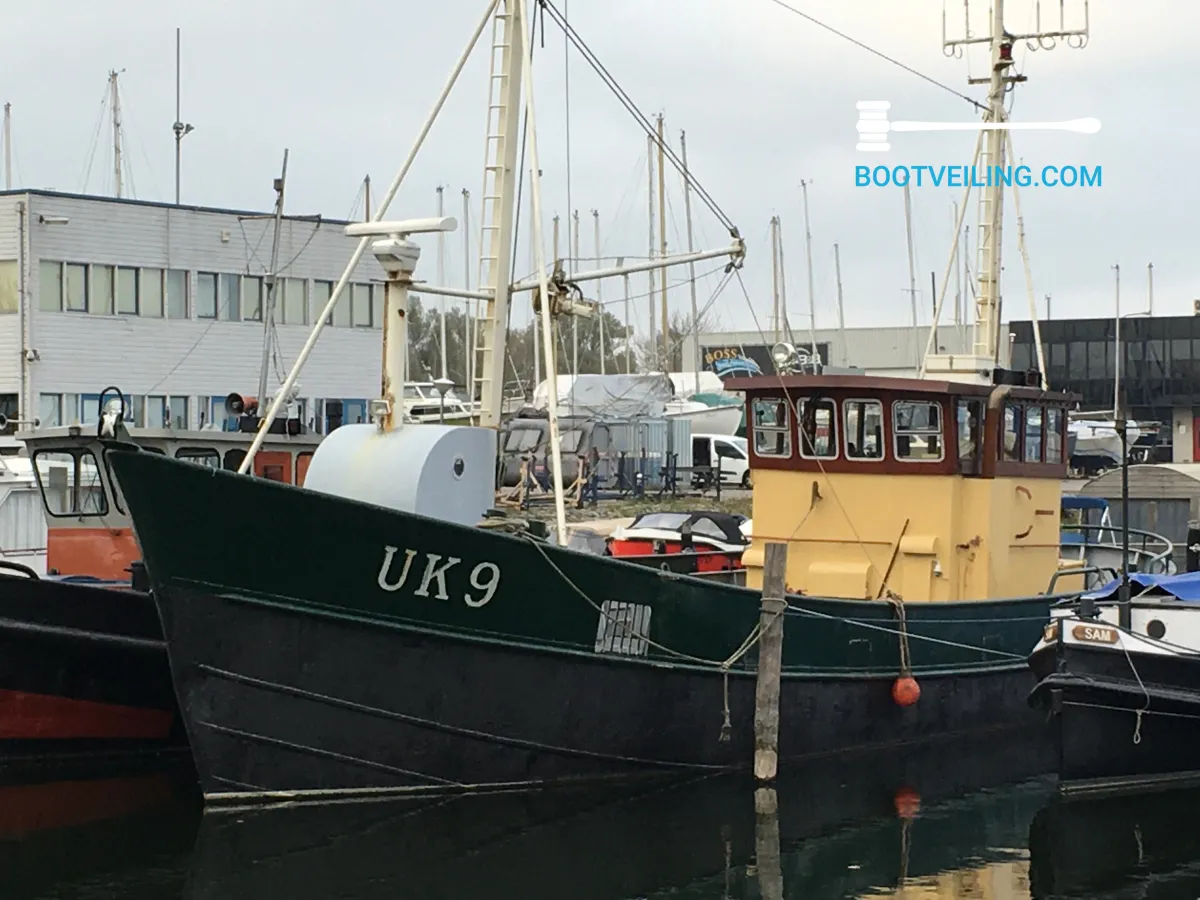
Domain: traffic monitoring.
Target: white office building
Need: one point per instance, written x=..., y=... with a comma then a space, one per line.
x=166, y=302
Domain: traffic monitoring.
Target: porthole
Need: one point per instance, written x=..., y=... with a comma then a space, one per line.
x=460, y=466
x=1156, y=629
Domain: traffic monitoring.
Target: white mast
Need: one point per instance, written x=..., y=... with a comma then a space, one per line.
x=468, y=304
x=912, y=274
x=991, y=146
x=628, y=325
x=812, y=303
x=1150, y=288
x=114, y=102
x=441, y=277
x=599, y=302
x=537, y=340
x=957, y=273
x=775, y=277
x=653, y=339
x=837, y=271
x=687, y=212
x=8, y=146
x=662, y=247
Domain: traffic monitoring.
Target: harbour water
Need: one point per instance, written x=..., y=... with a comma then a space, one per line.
x=962, y=820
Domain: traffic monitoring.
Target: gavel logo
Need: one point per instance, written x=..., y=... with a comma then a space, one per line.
x=874, y=127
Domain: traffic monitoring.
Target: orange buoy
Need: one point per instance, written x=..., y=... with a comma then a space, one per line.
x=908, y=803
x=906, y=691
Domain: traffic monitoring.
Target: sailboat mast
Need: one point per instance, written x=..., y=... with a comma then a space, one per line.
x=1117, y=345
x=8, y=146
x=469, y=305
x=662, y=245
x=267, y=304
x=912, y=271
x=650, y=272
x=775, y=277
x=114, y=104
x=1150, y=288
x=537, y=340
x=441, y=276
x=599, y=293
x=991, y=211
x=957, y=272
x=837, y=273
x=687, y=213
x=812, y=303
x=574, y=267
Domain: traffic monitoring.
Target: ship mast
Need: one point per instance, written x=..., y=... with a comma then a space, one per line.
x=990, y=152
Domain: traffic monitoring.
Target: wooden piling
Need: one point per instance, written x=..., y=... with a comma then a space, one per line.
x=770, y=661
x=767, y=844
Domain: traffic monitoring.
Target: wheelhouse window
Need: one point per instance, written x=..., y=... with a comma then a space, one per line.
x=772, y=427
x=1054, y=435
x=1032, y=450
x=70, y=482
x=970, y=416
x=201, y=456
x=917, y=427
x=863, y=429
x=818, y=428
x=1010, y=442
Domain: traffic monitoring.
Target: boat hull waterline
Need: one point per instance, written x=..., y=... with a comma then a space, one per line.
x=439, y=656
x=1126, y=715
x=83, y=672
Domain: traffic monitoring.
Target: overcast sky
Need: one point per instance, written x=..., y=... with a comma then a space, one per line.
x=765, y=97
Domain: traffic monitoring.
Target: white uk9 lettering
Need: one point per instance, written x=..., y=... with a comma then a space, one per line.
x=484, y=577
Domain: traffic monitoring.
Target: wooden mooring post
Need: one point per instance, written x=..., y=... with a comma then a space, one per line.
x=767, y=848
x=770, y=661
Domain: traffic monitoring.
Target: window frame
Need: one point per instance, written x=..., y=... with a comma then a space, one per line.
x=882, y=430
x=118, y=271
x=77, y=453
x=897, y=432
x=784, y=428
x=820, y=402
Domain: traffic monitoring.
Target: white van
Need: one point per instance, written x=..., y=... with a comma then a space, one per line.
x=732, y=453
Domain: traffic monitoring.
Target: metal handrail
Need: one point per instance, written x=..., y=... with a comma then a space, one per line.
x=1155, y=548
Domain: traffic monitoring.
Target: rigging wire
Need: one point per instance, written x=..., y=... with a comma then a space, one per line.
x=638, y=115
x=895, y=62
x=86, y=174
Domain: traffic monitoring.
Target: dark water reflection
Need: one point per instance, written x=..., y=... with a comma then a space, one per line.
x=955, y=821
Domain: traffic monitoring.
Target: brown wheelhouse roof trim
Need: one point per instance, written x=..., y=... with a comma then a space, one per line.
x=990, y=399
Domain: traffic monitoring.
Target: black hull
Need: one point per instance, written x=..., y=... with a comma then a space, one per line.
x=1116, y=847
x=303, y=702
x=1114, y=732
x=83, y=673
x=606, y=843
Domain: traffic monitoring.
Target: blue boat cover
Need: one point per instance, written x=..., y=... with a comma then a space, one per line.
x=1079, y=501
x=1185, y=586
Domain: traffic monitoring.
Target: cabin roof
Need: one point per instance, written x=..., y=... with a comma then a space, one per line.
x=886, y=383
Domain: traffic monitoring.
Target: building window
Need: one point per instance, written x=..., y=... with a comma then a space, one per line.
x=295, y=301
x=137, y=411
x=127, y=291
x=818, y=429
x=917, y=429
x=9, y=301
x=206, y=295
x=89, y=409
x=360, y=305
x=102, y=291
x=156, y=412
x=864, y=429
x=50, y=410
x=1033, y=434
x=377, y=305
x=50, y=286
x=252, y=297
x=341, y=315
x=177, y=307
x=230, y=297
x=150, y=293
x=1054, y=438
x=772, y=427
x=70, y=409
x=75, y=287
x=1010, y=445
x=178, y=408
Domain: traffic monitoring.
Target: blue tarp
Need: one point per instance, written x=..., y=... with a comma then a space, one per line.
x=1079, y=501
x=1183, y=587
